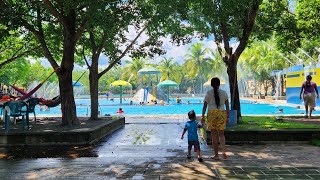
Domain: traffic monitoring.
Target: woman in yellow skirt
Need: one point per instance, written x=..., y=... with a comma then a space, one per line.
x=218, y=115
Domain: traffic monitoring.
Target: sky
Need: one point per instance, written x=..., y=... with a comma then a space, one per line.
x=176, y=52
x=172, y=51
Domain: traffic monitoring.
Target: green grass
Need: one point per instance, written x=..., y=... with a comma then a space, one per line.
x=316, y=142
x=254, y=122
x=263, y=122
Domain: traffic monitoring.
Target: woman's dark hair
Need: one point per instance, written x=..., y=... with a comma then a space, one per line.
x=215, y=83
x=308, y=84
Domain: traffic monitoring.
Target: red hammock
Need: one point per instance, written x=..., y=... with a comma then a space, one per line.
x=37, y=87
x=51, y=102
x=19, y=90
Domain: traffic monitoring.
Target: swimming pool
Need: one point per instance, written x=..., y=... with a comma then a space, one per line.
x=109, y=107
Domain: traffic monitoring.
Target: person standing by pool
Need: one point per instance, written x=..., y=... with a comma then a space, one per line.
x=217, y=116
x=107, y=94
x=309, y=89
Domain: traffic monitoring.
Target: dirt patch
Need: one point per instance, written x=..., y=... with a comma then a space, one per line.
x=302, y=119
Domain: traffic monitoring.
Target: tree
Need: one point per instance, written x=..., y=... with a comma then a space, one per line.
x=196, y=62
x=166, y=67
x=231, y=23
x=15, y=73
x=259, y=60
x=13, y=47
x=57, y=26
x=154, y=18
x=132, y=67
x=300, y=36
x=216, y=66
x=104, y=35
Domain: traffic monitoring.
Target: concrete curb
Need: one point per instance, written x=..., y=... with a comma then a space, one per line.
x=85, y=136
x=267, y=136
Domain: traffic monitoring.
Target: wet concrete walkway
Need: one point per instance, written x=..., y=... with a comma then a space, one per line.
x=151, y=148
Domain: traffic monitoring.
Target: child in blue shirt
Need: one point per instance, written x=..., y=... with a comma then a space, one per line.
x=193, y=140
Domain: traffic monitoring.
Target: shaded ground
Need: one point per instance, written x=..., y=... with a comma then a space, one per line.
x=52, y=124
x=149, y=147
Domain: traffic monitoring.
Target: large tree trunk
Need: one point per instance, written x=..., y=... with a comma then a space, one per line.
x=233, y=82
x=94, y=84
x=68, y=106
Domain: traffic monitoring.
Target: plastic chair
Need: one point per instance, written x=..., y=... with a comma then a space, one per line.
x=32, y=102
x=16, y=109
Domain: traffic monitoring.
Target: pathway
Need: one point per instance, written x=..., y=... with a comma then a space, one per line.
x=151, y=148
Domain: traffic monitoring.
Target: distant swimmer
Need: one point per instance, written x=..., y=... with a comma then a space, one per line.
x=280, y=111
x=120, y=111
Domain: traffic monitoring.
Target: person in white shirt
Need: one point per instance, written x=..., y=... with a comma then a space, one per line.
x=218, y=115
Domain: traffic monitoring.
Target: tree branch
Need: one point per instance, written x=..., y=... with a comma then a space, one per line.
x=218, y=42
x=54, y=12
x=85, y=59
x=123, y=54
x=103, y=41
x=92, y=42
x=17, y=57
x=80, y=30
x=40, y=36
x=225, y=37
x=17, y=51
x=249, y=23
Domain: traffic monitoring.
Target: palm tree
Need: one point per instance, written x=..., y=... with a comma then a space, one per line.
x=260, y=59
x=171, y=70
x=247, y=62
x=178, y=73
x=166, y=66
x=217, y=67
x=196, y=62
x=132, y=67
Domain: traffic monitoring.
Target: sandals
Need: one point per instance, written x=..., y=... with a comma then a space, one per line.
x=224, y=156
x=215, y=158
x=199, y=159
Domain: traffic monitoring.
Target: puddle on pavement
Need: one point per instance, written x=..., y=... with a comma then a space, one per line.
x=142, y=137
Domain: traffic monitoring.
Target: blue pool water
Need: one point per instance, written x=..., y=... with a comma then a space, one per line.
x=109, y=107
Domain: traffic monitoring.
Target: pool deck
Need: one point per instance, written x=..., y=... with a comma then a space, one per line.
x=151, y=148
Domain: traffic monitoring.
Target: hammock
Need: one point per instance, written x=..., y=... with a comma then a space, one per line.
x=18, y=89
x=37, y=87
x=51, y=102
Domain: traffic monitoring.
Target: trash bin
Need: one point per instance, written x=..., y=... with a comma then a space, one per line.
x=233, y=119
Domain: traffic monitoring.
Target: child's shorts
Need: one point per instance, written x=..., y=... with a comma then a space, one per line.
x=196, y=145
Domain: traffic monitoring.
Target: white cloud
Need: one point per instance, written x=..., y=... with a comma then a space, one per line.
x=176, y=52
x=172, y=50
